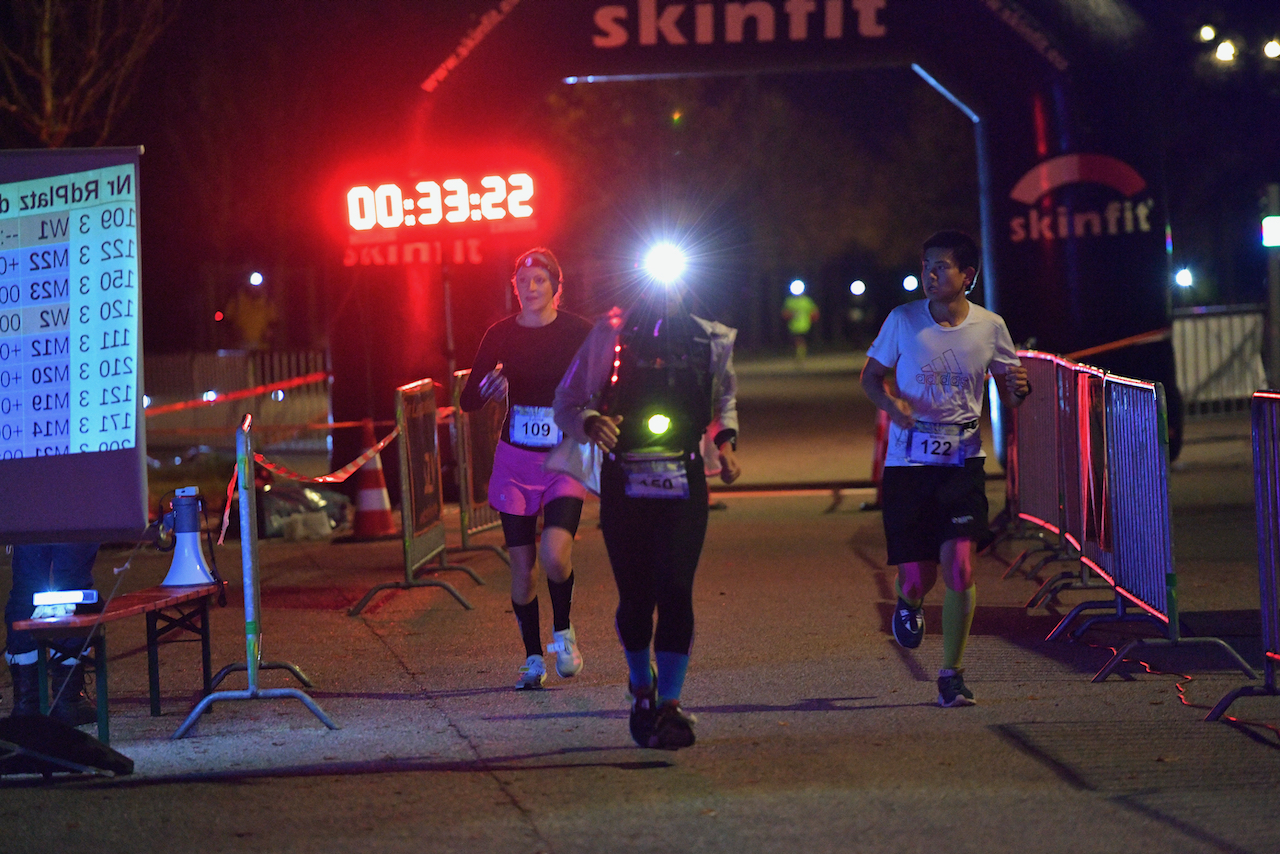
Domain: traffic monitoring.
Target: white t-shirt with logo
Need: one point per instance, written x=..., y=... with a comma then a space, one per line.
x=941, y=370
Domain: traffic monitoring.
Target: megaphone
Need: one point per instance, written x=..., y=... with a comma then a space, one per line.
x=188, y=567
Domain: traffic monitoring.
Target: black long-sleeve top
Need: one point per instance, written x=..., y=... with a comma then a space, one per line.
x=533, y=358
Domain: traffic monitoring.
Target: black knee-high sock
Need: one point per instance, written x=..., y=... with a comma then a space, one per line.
x=561, y=599
x=530, y=627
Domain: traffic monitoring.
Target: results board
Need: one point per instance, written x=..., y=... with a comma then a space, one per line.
x=69, y=314
x=70, y=355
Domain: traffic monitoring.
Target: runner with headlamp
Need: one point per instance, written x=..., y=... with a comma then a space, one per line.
x=643, y=388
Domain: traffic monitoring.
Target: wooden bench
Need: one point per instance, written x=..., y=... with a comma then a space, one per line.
x=167, y=609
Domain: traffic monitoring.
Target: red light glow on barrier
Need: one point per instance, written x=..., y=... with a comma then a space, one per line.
x=432, y=202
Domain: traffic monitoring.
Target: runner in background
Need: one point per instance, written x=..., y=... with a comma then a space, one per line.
x=522, y=357
x=800, y=312
x=934, y=491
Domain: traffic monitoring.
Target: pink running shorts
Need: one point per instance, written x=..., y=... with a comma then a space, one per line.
x=520, y=487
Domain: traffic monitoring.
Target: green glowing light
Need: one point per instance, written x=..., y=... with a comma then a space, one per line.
x=659, y=424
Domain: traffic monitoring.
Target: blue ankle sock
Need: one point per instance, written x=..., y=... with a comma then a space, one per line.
x=671, y=670
x=638, y=666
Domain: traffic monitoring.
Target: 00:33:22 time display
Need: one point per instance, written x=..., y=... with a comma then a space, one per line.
x=448, y=201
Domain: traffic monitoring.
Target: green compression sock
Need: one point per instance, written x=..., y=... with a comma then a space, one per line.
x=957, y=617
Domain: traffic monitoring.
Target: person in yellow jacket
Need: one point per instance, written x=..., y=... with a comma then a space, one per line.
x=800, y=312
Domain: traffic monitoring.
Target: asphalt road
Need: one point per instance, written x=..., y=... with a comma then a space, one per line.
x=816, y=732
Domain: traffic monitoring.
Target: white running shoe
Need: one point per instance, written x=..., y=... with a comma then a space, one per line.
x=565, y=646
x=532, y=674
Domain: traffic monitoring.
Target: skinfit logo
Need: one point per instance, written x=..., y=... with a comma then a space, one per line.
x=656, y=23
x=1129, y=215
x=944, y=372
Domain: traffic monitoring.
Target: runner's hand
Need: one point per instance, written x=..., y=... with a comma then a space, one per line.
x=901, y=414
x=494, y=384
x=729, y=468
x=603, y=430
x=1015, y=380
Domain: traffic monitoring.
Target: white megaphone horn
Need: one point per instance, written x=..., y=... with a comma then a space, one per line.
x=188, y=567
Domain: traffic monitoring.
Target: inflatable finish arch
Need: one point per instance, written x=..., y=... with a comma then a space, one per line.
x=1063, y=97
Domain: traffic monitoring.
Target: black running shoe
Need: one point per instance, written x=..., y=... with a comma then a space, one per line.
x=673, y=728
x=953, y=692
x=908, y=624
x=644, y=713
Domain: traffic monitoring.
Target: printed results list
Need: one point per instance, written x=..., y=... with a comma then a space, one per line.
x=68, y=326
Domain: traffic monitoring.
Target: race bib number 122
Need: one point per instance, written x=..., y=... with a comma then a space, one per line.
x=935, y=444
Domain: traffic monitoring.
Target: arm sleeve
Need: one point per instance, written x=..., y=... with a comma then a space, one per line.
x=577, y=394
x=486, y=360
x=724, y=426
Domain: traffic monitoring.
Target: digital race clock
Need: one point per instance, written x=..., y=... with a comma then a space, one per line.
x=432, y=203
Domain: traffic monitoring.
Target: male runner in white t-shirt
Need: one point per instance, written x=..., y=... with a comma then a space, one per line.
x=935, y=504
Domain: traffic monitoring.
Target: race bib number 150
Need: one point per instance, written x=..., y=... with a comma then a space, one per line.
x=656, y=479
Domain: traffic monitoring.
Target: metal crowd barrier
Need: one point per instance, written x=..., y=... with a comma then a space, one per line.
x=1095, y=536
x=1136, y=534
x=475, y=439
x=1034, y=469
x=421, y=500
x=1265, y=413
x=1089, y=464
x=252, y=605
x=1218, y=354
x=1073, y=398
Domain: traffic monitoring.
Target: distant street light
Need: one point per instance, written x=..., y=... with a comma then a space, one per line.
x=858, y=288
x=1183, y=278
x=1271, y=231
x=910, y=283
x=1207, y=33
x=1226, y=52
x=1272, y=49
x=1271, y=240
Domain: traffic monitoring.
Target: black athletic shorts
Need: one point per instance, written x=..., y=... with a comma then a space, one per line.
x=924, y=506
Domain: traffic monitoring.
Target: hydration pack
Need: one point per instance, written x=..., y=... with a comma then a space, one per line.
x=663, y=385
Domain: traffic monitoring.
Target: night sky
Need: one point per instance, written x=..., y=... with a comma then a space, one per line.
x=254, y=114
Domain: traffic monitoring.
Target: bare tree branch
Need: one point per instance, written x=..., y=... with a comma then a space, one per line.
x=70, y=67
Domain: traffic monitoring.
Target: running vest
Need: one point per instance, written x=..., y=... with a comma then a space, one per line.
x=664, y=385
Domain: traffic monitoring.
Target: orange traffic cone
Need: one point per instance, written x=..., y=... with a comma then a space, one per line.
x=373, y=505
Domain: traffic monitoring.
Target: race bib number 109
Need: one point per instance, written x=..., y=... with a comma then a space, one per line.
x=534, y=426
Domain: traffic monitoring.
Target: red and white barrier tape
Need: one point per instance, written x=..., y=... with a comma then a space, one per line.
x=444, y=415
x=336, y=477
x=1132, y=341
x=275, y=468
x=308, y=379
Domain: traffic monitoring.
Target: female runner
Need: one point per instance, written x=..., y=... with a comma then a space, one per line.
x=524, y=356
